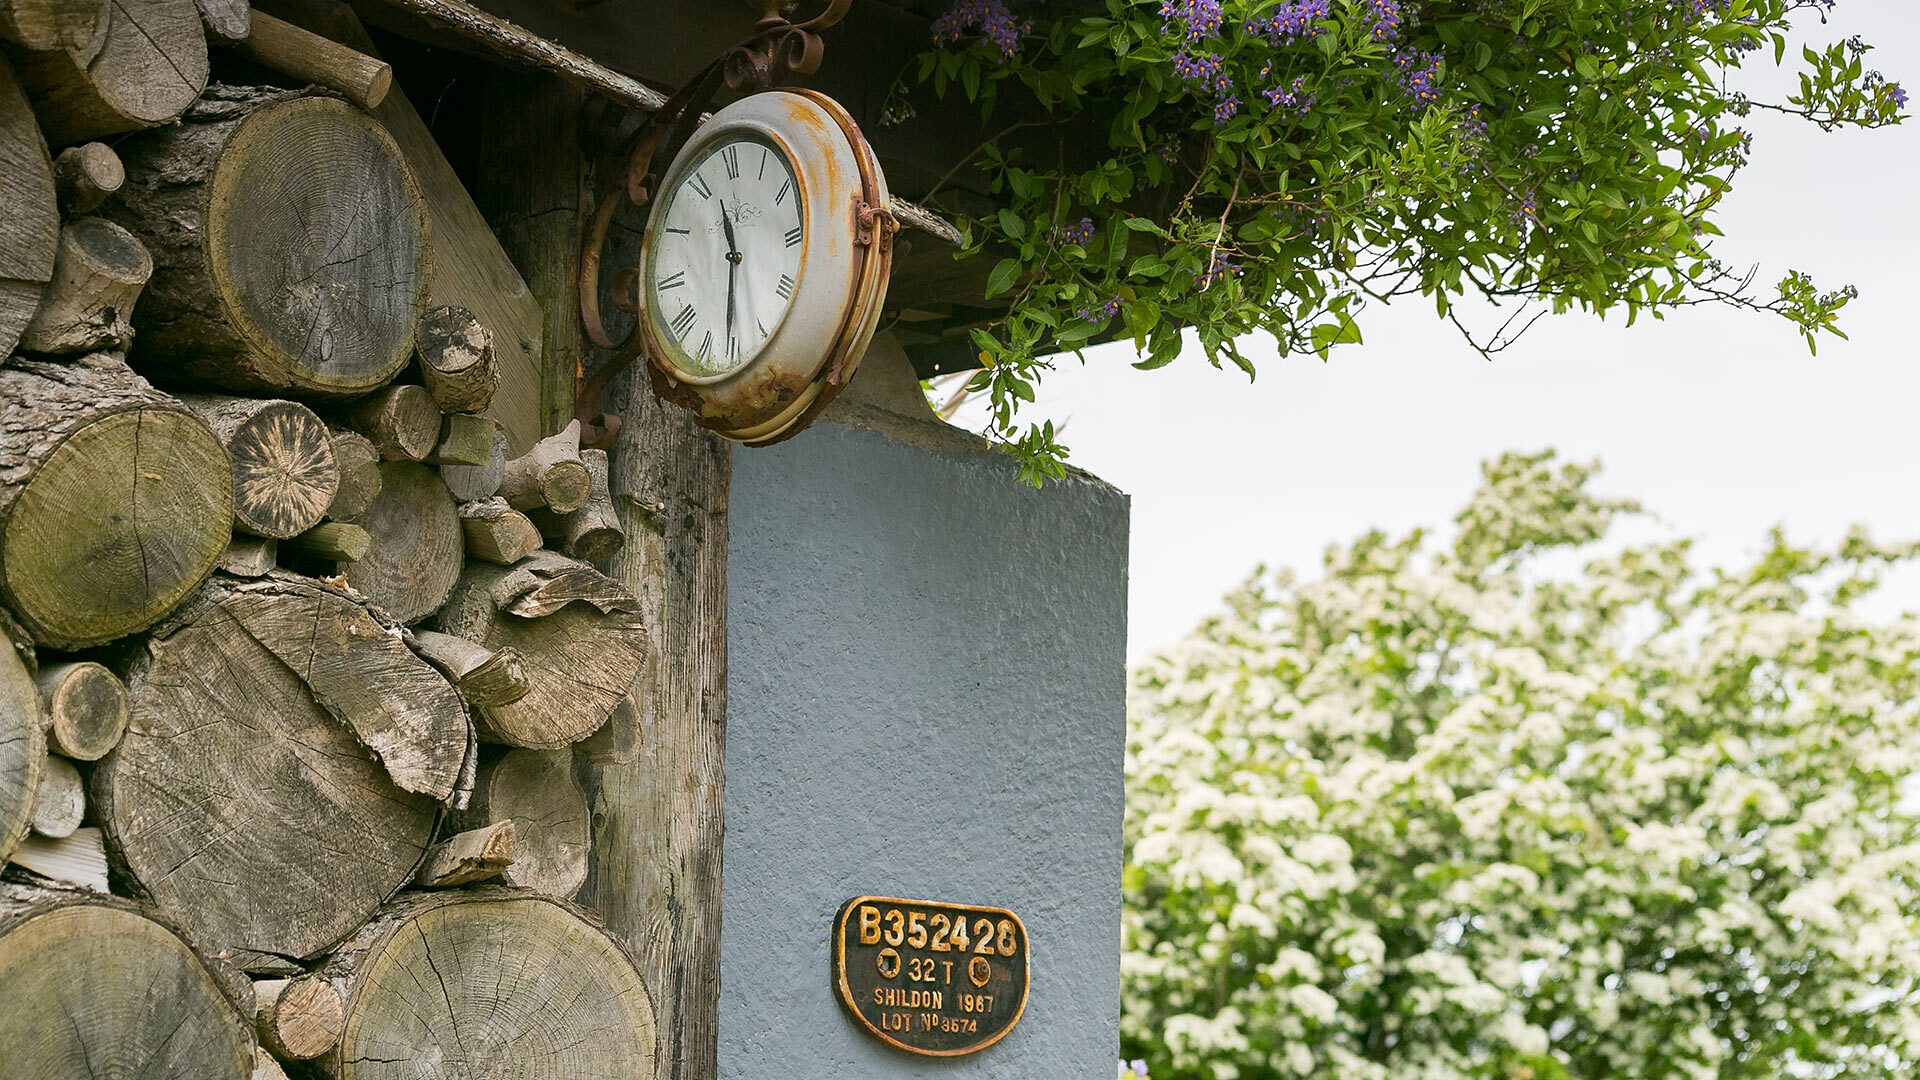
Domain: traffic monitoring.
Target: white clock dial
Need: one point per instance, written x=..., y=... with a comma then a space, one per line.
x=725, y=255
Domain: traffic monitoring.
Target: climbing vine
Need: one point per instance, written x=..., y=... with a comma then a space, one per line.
x=1234, y=166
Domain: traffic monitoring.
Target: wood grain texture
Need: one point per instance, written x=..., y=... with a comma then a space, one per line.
x=49, y=24
x=470, y=482
x=86, y=709
x=465, y=439
x=549, y=474
x=489, y=982
x=470, y=268
x=23, y=747
x=592, y=533
x=658, y=819
x=334, y=541
x=79, y=860
x=242, y=806
x=92, y=987
x=483, y=676
x=577, y=636
x=358, y=669
x=151, y=64
x=497, y=533
x=117, y=500
x=250, y=557
x=60, y=802
x=537, y=792
x=409, y=569
x=310, y=58
x=227, y=20
x=402, y=422
x=457, y=362
x=359, y=463
x=298, y=1019
x=284, y=473
x=467, y=857
x=277, y=269
x=85, y=176
x=30, y=229
x=98, y=273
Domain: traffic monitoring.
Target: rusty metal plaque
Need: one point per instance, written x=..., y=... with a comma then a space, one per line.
x=930, y=978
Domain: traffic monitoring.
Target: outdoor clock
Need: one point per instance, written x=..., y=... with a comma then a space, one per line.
x=765, y=264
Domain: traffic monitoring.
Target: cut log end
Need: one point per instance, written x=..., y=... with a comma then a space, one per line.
x=284, y=472
x=457, y=360
x=150, y=66
x=551, y=474
x=250, y=557
x=334, y=541
x=359, y=464
x=86, y=176
x=49, y=24
x=497, y=532
x=415, y=557
x=97, y=278
x=30, y=223
x=298, y=1019
x=402, y=421
x=61, y=801
x=86, y=709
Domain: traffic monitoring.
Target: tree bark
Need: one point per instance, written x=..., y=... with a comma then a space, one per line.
x=79, y=860
x=95, y=987
x=284, y=473
x=497, y=532
x=471, y=482
x=116, y=500
x=30, y=229
x=537, y=792
x=592, y=533
x=88, y=305
x=60, y=802
x=483, y=677
x=275, y=270
x=241, y=804
x=464, y=858
x=307, y=56
x=402, y=422
x=298, y=1019
x=151, y=65
x=359, y=463
x=86, y=708
x=49, y=24
x=658, y=820
x=489, y=981
x=85, y=176
x=550, y=475
x=575, y=631
x=456, y=359
x=409, y=569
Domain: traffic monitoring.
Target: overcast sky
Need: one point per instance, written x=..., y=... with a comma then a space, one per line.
x=1720, y=422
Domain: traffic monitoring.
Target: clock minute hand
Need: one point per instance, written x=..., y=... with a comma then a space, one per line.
x=733, y=263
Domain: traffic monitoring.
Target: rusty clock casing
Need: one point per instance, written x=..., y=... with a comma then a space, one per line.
x=845, y=263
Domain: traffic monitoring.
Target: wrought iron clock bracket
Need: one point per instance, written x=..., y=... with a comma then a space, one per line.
x=778, y=48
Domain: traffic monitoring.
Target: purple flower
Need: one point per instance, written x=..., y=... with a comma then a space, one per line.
x=1205, y=70
x=1897, y=94
x=1419, y=77
x=995, y=22
x=1296, y=97
x=1384, y=18
x=1138, y=1066
x=1220, y=267
x=1100, y=313
x=1081, y=234
x=1226, y=109
x=1195, y=20
x=1299, y=19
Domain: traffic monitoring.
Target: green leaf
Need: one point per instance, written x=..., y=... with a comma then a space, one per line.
x=1003, y=276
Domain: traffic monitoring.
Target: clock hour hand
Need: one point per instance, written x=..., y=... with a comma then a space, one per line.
x=733, y=263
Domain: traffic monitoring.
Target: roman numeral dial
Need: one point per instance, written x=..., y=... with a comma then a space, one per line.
x=724, y=254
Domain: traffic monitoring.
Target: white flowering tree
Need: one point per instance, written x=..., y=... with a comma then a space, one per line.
x=1528, y=805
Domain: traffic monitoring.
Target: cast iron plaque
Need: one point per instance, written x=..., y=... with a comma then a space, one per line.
x=930, y=978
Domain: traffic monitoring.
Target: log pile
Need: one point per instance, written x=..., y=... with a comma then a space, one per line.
x=300, y=655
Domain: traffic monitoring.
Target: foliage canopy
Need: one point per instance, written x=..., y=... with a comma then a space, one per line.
x=1275, y=165
x=1453, y=811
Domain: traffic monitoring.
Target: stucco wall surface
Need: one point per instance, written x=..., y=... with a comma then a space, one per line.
x=925, y=700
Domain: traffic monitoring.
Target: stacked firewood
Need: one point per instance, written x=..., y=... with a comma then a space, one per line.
x=304, y=657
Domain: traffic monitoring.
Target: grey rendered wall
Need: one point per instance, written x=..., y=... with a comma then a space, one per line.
x=926, y=700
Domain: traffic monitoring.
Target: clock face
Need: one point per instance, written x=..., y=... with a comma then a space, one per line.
x=724, y=256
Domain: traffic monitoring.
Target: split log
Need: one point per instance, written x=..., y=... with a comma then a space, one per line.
x=88, y=306
x=592, y=533
x=229, y=20
x=250, y=557
x=266, y=1067
x=456, y=359
x=576, y=633
x=556, y=996
x=117, y=500
x=618, y=741
x=86, y=708
x=464, y=858
x=550, y=475
x=482, y=676
x=49, y=24
x=150, y=66
x=359, y=463
x=335, y=541
x=284, y=474
x=297, y=1019
x=497, y=532
x=275, y=270
x=244, y=800
x=79, y=860
x=30, y=227
x=465, y=439
x=60, y=802
x=409, y=569
x=23, y=747
x=95, y=987
x=85, y=176
x=311, y=58
x=471, y=482
x=402, y=421
x=552, y=828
